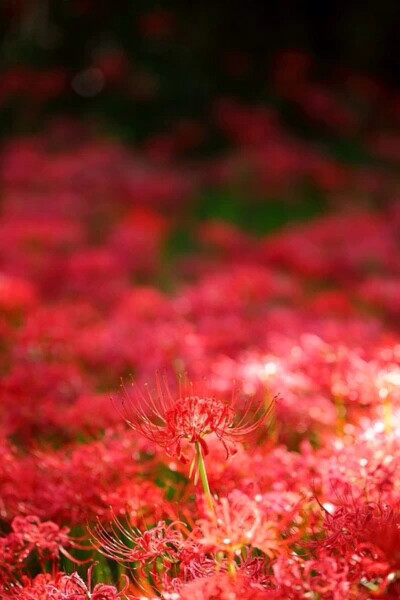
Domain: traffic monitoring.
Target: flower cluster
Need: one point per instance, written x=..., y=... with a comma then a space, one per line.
x=254, y=448
x=30, y=535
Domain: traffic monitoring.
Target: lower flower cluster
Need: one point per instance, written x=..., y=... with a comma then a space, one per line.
x=253, y=448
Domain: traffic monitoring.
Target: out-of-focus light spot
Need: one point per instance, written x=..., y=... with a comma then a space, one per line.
x=296, y=352
x=270, y=368
x=375, y=429
x=88, y=83
x=329, y=507
x=349, y=429
x=393, y=377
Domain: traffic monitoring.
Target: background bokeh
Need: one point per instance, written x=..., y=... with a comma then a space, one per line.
x=137, y=67
x=188, y=82
x=206, y=188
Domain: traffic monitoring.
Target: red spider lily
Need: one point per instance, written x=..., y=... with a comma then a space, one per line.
x=47, y=537
x=30, y=534
x=12, y=553
x=73, y=587
x=368, y=528
x=222, y=585
x=241, y=522
x=331, y=578
x=158, y=551
x=383, y=533
x=189, y=415
x=162, y=541
x=64, y=587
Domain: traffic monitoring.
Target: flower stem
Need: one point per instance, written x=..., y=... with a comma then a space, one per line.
x=204, y=479
x=231, y=566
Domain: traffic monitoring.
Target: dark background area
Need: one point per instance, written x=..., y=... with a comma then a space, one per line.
x=139, y=66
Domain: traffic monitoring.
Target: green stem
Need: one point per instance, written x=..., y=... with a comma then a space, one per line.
x=231, y=566
x=203, y=477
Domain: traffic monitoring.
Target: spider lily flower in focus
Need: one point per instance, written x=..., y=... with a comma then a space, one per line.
x=186, y=417
x=177, y=419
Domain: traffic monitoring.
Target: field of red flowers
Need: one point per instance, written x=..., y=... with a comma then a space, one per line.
x=190, y=408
